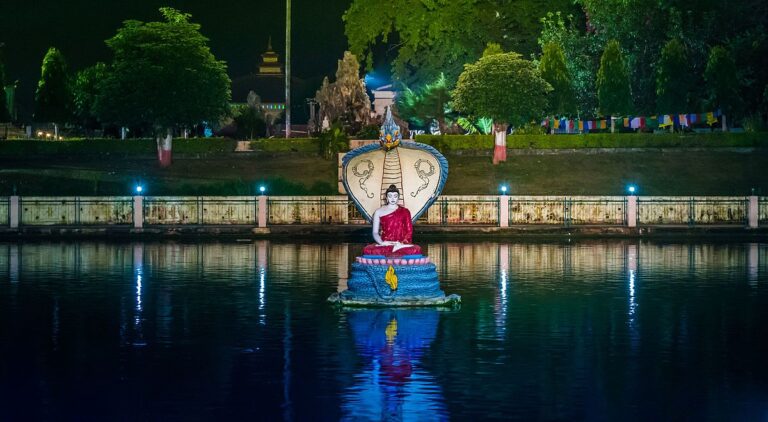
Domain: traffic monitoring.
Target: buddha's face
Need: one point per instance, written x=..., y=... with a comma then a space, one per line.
x=392, y=198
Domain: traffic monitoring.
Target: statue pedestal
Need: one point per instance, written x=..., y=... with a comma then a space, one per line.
x=394, y=281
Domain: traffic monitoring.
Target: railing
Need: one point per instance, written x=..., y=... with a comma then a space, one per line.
x=447, y=210
x=692, y=211
x=75, y=211
x=201, y=210
x=309, y=210
x=567, y=211
x=457, y=210
x=537, y=210
x=5, y=210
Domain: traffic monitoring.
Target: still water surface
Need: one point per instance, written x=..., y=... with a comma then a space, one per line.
x=593, y=330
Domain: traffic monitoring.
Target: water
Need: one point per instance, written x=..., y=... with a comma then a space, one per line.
x=595, y=330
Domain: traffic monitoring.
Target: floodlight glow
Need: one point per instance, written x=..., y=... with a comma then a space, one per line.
x=631, y=189
x=139, y=188
x=262, y=189
x=504, y=189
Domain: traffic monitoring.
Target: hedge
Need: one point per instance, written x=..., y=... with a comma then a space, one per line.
x=447, y=143
x=286, y=145
x=113, y=146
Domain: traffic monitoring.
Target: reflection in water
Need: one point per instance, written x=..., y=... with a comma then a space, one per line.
x=261, y=251
x=501, y=304
x=586, y=330
x=392, y=386
x=138, y=317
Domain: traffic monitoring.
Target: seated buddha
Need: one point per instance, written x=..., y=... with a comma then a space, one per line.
x=392, y=229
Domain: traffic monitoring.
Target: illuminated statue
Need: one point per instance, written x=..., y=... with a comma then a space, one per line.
x=392, y=228
x=406, y=177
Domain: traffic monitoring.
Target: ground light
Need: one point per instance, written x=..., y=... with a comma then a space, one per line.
x=139, y=189
x=504, y=189
x=262, y=189
x=632, y=189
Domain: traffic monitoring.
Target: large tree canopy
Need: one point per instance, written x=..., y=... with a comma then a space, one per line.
x=673, y=79
x=5, y=115
x=613, y=90
x=163, y=75
x=504, y=87
x=555, y=71
x=85, y=90
x=53, y=98
x=440, y=36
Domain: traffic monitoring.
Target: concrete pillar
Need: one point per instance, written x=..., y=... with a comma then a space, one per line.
x=754, y=212
x=14, y=212
x=138, y=212
x=263, y=211
x=632, y=211
x=504, y=211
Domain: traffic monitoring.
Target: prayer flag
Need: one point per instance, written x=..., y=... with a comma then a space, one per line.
x=557, y=124
x=635, y=123
x=602, y=124
x=581, y=125
x=626, y=122
x=711, y=118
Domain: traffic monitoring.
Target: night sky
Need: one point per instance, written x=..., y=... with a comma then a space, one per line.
x=238, y=31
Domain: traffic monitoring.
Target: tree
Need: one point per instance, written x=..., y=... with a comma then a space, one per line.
x=5, y=114
x=346, y=99
x=163, y=76
x=643, y=28
x=582, y=56
x=554, y=70
x=440, y=36
x=84, y=91
x=250, y=118
x=431, y=103
x=722, y=82
x=613, y=83
x=673, y=77
x=53, y=98
x=504, y=87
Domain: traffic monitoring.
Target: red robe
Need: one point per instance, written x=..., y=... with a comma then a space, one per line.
x=395, y=226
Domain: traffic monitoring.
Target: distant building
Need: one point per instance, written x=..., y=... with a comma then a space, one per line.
x=383, y=97
x=268, y=82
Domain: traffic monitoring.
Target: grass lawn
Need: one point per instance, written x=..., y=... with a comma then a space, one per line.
x=710, y=172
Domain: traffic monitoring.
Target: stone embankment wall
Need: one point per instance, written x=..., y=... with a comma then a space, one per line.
x=312, y=210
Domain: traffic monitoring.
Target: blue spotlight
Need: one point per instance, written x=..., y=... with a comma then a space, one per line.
x=139, y=189
x=262, y=189
x=632, y=189
x=504, y=189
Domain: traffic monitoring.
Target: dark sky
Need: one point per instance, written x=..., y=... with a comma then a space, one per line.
x=237, y=29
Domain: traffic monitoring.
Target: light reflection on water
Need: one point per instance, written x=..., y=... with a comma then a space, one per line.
x=584, y=330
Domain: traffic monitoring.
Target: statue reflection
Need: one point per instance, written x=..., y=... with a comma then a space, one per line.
x=392, y=386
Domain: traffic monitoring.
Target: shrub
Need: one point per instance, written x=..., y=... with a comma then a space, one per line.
x=448, y=143
x=286, y=145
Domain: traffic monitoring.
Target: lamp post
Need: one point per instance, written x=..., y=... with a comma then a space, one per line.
x=287, y=69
